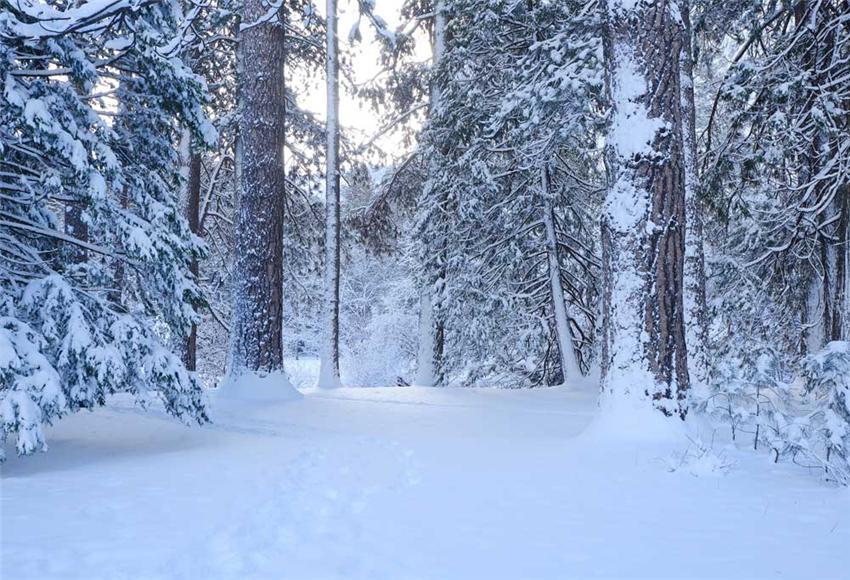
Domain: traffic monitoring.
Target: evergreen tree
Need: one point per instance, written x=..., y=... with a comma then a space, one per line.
x=82, y=198
x=518, y=110
x=778, y=161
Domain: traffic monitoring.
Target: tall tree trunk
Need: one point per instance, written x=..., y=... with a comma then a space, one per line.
x=193, y=210
x=812, y=331
x=646, y=352
x=695, y=308
x=839, y=321
x=257, y=330
x=569, y=363
x=329, y=369
x=429, y=362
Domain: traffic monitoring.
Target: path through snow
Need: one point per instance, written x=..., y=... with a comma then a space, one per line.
x=403, y=483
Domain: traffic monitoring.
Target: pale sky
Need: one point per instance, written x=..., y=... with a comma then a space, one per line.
x=362, y=122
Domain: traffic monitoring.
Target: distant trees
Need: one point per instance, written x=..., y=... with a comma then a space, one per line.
x=510, y=144
x=778, y=165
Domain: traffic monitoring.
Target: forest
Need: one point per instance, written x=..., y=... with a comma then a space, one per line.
x=252, y=216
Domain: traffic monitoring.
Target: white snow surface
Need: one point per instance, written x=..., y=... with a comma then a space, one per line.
x=251, y=391
x=410, y=483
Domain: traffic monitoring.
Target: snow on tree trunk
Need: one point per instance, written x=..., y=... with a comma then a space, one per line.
x=425, y=372
x=839, y=319
x=695, y=310
x=569, y=362
x=431, y=329
x=329, y=370
x=258, y=273
x=645, y=353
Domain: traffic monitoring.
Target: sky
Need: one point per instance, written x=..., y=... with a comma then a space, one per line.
x=359, y=120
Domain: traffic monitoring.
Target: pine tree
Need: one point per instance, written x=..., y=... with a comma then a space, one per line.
x=83, y=199
x=483, y=213
x=258, y=303
x=432, y=225
x=778, y=160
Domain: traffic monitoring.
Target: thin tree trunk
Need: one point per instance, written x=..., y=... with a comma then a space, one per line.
x=695, y=309
x=569, y=363
x=828, y=262
x=257, y=330
x=812, y=330
x=429, y=363
x=118, y=274
x=425, y=372
x=193, y=209
x=840, y=308
x=329, y=370
x=646, y=354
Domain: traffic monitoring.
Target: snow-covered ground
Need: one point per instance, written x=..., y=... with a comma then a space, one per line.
x=402, y=483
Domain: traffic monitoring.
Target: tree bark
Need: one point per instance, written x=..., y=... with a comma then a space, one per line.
x=329, y=369
x=646, y=354
x=695, y=308
x=257, y=330
x=841, y=272
x=569, y=363
x=425, y=371
x=116, y=294
x=193, y=209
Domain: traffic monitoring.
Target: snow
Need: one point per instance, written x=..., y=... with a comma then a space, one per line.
x=633, y=128
x=410, y=483
x=250, y=390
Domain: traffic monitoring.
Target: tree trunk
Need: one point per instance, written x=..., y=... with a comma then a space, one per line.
x=425, y=372
x=569, y=363
x=77, y=228
x=193, y=208
x=431, y=325
x=841, y=248
x=329, y=369
x=257, y=330
x=646, y=353
x=695, y=309
x=116, y=294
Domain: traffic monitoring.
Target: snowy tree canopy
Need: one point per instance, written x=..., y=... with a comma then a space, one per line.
x=94, y=274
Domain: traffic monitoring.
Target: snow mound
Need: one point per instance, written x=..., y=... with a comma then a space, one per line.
x=634, y=419
x=254, y=390
x=629, y=429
